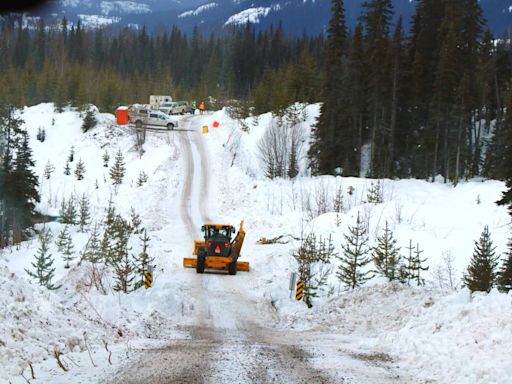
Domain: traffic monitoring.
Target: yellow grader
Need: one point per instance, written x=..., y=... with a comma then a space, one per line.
x=217, y=251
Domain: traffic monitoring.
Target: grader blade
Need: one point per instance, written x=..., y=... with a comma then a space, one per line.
x=216, y=263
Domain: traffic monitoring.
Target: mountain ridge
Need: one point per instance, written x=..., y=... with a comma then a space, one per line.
x=297, y=17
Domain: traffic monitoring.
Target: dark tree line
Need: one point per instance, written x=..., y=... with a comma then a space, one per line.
x=418, y=105
x=18, y=183
x=72, y=65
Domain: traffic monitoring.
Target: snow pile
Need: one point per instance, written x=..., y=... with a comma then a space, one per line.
x=433, y=335
x=34, y=324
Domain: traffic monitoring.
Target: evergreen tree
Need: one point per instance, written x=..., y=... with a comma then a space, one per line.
x=85, y=213
x=504, y=280
x=92, y=251
x=67, y=213
x=386, y=255
x=124, y=274
x=312, y=257
x=89, y=121
x=354, y=257
x=93, y=255
x=143, y=178
x=376, y=19
x=106, y=158
x=324, y=152
x=65, y=245
x=481, y=272
x=67, y=169
x=48, y=170
x=143, y=261
x=80, y=170
x=44, y=272
x=293, y=163
x=25, y=188
x=118, y=170
x=415, y=264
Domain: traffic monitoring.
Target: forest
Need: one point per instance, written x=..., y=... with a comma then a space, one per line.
x=431, y=101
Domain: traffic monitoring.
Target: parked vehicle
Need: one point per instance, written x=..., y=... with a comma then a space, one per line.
x=176, y=108
x=143, y=115
x=157, y=100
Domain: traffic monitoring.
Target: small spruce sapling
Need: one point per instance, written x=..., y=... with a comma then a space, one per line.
x=65, y=245
x=143, y=178
x=386, y=255
x=80, y=170
x=71, y=156
x=354, y=257
x=415, y=265
x=48, y=170
x=106, y=158
x=43, y=264
x=67, y=168
x=481, y=272
x=84, y=213
x=118, y=169
x=143, y=261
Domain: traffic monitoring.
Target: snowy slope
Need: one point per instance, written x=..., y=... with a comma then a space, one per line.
x=434, y=334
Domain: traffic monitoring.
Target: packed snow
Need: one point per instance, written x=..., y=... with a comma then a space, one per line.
x=438, y=333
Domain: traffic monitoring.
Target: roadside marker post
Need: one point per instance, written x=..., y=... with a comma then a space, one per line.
x=293, y=279
x=148, y=278
x=300, y=290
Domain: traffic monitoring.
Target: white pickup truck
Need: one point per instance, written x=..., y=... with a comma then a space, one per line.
x=142, y=115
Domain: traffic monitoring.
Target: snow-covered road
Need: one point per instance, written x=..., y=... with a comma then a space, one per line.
x=231, y=335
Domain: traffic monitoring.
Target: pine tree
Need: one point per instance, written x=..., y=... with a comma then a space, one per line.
x=84, y=214
x=65, y=245
x=109, y=232
x=143, y=261
x=93, y=255
x=481, y=272
x=124, y=274
x=504, y=280
x=136, y=222
x=354, y=257
x=106, y=158
x=44, y=273
x=89, y=121
x=415, y=264
x=80, y=170
x=118, y=169
x=24, y=184
x=92, y=251
x=324, y=153
x=67, y=169
x=312, y=257
x=386, y=255
x=48, y=170
x=375, y=193
x=293, y=162
x=143, y=178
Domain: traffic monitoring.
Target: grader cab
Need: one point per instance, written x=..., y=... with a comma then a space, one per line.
x=217, y=250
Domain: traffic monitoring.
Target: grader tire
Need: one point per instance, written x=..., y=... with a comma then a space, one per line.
x=232, y=268
x=201, y=260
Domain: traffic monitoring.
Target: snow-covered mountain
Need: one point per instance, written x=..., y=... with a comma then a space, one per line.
x=296, y=16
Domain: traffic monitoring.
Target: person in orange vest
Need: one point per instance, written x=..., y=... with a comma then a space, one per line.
x=201, y=107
